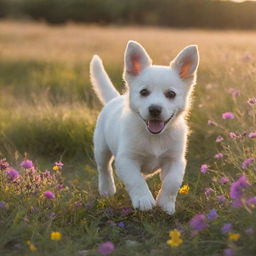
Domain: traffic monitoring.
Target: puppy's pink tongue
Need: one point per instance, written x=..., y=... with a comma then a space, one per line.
x=155, y=126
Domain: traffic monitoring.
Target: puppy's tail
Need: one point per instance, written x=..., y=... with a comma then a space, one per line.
x=101, y=83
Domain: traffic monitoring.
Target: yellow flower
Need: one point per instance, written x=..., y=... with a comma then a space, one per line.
x=175, y=240
x=233, y=236
x=56, y=236
x=184, y=189
x=31, y=246
x=55, y=167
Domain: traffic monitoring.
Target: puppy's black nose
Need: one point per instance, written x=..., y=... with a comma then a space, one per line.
x=155, y=110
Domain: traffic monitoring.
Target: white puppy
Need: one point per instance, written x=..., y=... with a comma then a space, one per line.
x=145, y=129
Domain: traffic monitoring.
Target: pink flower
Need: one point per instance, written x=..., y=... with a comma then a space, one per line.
x=208, y=191
x=12, y=174
x=251, y=101
x=211, y=123
x=249, y=231
x=27, y=164
x=228, y=115
x=232, y=135
x=234, y=92
x=204, y=168
x=252, y=135
x=106, y=248
x=49, y=195
x=59, y=164
x=221, y=198
x=219, y=139
x=224, y=180
x=218, y=156
x=247, y=162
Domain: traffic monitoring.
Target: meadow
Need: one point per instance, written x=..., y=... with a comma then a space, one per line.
x=48, y=112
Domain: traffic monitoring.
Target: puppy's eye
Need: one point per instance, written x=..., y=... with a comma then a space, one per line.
x=144, y=92
x=170, y=94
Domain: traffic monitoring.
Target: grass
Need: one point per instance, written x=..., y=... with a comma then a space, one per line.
x=48, y=113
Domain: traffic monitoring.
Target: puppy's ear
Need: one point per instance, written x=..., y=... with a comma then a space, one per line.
x=186, y=62
x=135, y=59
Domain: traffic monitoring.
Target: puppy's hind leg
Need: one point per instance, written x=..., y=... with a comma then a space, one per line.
x=104, y=159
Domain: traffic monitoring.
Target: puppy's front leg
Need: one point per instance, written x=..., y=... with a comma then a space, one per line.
x=128, y=171
x=172, y=177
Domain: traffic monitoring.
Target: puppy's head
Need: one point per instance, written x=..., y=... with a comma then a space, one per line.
x=158, y=94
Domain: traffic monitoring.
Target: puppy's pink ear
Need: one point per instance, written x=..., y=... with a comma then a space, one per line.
x=186, y=62
x=135, y=59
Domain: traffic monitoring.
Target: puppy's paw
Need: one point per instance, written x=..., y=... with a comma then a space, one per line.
x=106, y=187
x=143, y=203
x=167, y=204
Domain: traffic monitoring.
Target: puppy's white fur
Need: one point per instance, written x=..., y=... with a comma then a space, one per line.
x=122, y=133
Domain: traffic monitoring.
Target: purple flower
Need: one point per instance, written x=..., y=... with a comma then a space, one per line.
x=212, y=215
x=12, y=174
x=208, y=191
x=3, y=164
x=234, y=92
x=121, y=224
x=78, y=204
x=59, y=164
x=228, y=115
x=249, y=231
x=2, y=204
x=204, y=168
x=229, y=252
x=218, y=156
x=251, y=101
x=219, y=139
x=247, y=162
x=199, y=222
x=251, y=201
x=49, y=194
x=126, y=211
x=212, y=123
x=236, y=190
x=226, y=228
x=221, y=198
x=27, y=164
x=106, y=248
x=224, y=180
x=252, y=135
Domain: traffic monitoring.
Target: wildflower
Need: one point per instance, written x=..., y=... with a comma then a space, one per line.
x=56, y=236
x=249, y=231
x=219, y=139
x=224, y=180
x=126, y=211
x=175, y=239
x=3, y=164
x=49, y=194
x=12, y=174
x=78, y=204
x=218, y=156
x=27, y=164
x=184, y=189
x=247, y=162
x=228, y=115
x=121, y=224
x=106, y=248
x=212, y=215
x=208, y=191
x=236, y=190
x=234, y=92
x=204, y=168
x=233, y=135
x=55, y=167
x=251, y=201
x=234, y=236
x=198, y=222
x=229, y=252
x=252, y=135
x=2, y=204
x=226, y=228
x=221, y=198
x=212, y=123
x=59, y=164
x=31, y=246
x=251, y=101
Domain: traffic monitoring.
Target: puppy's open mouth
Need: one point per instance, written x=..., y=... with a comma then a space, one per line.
x=156, y=126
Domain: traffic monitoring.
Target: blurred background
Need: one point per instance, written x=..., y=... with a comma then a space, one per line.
x=172, y=13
